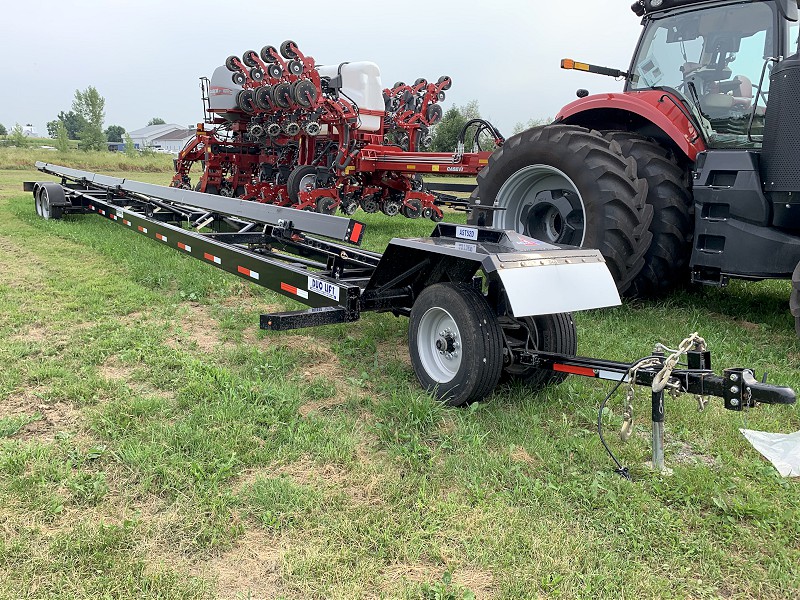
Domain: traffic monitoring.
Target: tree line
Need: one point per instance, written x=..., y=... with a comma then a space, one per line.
x=83, y=122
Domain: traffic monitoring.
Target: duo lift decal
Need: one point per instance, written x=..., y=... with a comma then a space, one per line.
x=322, y=288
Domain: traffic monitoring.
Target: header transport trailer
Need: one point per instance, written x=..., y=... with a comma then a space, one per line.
x=482, y=303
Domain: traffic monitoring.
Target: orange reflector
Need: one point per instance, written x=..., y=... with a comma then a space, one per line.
x=567, y=63
x=581, y=66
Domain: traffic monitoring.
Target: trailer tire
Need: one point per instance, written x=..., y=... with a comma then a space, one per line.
x=666, y=262
x=569, y=185
x=794, y=299
x=37, y=201
x=295, y=181
x=464, y=364
x=546, y=333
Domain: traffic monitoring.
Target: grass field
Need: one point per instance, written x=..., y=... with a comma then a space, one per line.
x=155, y=444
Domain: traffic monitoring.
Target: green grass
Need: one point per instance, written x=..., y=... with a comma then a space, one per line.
x=155, y=444
x=23, y=158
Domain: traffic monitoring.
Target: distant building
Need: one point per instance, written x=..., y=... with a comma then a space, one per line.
x=30, y=131
x=165, y=138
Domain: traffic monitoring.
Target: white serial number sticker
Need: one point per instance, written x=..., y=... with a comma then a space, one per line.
x=467, y=233
x=323, y=288
x=120, y=213
x=466, y=247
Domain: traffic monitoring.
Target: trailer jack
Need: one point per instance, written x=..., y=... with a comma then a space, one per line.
x=481, y=302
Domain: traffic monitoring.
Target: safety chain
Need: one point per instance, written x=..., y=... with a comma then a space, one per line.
x=660, y=381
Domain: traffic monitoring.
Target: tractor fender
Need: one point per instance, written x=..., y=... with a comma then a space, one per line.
x=653, y=113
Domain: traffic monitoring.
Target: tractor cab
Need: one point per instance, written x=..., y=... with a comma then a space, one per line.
x=717, y=57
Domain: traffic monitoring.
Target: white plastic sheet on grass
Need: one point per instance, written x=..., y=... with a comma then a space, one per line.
x=781, y=449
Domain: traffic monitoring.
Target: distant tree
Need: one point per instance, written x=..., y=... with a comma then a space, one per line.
x=114, y=133
x=90, y=105
x=130, y=147
x=530, y=124
x=73, y=122
x=3, y=130
x=52, y=128
x=156, y=121
x=62, y=142
x=17, y=137
x=446, y=131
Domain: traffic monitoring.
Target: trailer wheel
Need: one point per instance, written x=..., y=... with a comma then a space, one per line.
x=666, y=261
x=547, y=333
x=48, y=211
x=794, y=299
x=568, y=185
x=37, y=201
x=301, y=179
x=455, y=343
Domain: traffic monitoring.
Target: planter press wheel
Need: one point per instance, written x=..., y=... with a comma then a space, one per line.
x=249, y=58
x=455, y=343
x=301, y=179
x=286, y=50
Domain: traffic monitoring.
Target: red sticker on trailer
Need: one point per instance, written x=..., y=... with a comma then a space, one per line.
x=248, y=272
x=585, y=371
x=183, y=246
x=293, y=290
x=215, y=259
x=142, y=229
x=163, y=238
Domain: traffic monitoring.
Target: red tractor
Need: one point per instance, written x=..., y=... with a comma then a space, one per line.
x=692, y=172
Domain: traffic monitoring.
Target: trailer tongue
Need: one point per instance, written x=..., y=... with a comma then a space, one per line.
x=481, y=302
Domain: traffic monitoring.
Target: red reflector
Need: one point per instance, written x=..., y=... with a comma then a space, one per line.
x=357, y=229
x=288, y=288
x=585, y=371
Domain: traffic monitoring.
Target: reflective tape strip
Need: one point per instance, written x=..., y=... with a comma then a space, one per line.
x=163, y=238
x=585, y=371
x=102, y=212
x=215, y=259
x=248, y=272
x=183, y=246
x=91, y=207
x=128, y=223
x=293, y=290
x=142, y=229
x=113, y=217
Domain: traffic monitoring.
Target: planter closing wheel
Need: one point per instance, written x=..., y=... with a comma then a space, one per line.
x=455, y=343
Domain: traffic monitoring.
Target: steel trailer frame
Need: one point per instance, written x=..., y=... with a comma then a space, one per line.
x=273, y=247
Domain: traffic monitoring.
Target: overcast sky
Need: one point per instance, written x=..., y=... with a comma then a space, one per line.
x=145, y=56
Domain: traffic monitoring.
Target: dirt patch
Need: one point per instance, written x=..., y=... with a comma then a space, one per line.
x=115, y=371
x=480, y=582
x=196, y=326
x=396, y=351
x=36, y=334
x=55, y=416
x=521, y=455
x=684, y=454
x=330, y=479
x=251, y=568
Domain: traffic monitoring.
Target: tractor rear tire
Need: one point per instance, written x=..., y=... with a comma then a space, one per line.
x=546, y=333
x=455, y=343
x=794, y=300
x=569, y=185
x=666, y=262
